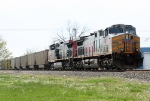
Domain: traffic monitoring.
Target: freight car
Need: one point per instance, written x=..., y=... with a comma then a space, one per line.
x=13, y=63
x=116, y=47
x=38, y=60
x=41, y=60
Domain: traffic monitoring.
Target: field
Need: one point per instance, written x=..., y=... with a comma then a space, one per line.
x=17, y=87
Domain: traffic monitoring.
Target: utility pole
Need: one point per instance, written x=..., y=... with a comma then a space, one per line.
x=75, y=32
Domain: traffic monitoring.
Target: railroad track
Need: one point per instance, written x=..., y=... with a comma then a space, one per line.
x=83, y=70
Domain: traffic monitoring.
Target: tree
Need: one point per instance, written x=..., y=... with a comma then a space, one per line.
x=74, y=30
x=5, y=54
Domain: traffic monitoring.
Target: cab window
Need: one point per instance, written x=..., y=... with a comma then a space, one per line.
x=130, y=31
x=115, y=30
x=101, y=33
x=106, y=32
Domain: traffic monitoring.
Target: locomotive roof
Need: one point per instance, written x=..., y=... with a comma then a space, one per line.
x=121, y=25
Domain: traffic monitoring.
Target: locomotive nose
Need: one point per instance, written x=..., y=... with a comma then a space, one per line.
x=126, y=43
x=127, y=48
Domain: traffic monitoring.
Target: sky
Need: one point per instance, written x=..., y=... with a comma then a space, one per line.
x=33, y=24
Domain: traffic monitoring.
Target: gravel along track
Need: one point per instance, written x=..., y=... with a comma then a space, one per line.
x=140, y=75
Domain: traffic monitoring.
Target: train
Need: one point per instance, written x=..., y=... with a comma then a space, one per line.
x=114, y=48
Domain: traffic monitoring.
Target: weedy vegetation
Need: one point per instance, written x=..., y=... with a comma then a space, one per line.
x=17, y=87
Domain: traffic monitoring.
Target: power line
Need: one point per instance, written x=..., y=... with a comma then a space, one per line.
x=26, y=29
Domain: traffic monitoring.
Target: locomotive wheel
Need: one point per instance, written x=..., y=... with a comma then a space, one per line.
x=105, y=64
x=51, y=67
x=65, y=65
x=102, y=64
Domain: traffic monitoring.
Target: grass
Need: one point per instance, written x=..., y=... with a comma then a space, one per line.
x=55, y=88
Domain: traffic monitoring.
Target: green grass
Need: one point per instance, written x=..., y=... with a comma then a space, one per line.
x=55, y=88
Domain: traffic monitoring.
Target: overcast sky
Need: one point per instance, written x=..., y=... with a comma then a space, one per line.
x=32, y=24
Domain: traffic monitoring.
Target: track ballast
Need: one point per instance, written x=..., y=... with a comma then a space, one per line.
x=142, y=75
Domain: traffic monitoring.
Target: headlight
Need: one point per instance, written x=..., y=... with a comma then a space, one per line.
x=127, y=32
x=121, y=50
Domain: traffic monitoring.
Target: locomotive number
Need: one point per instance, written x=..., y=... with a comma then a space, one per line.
x=126, y=41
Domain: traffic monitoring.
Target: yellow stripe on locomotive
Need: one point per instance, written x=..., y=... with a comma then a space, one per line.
x=126, y=43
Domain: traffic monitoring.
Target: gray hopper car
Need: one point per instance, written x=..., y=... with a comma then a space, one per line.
x=35, y=61
x=42, y=59
x=31, y=61
x=13, y=63
x=18, y=64
x=24, y=62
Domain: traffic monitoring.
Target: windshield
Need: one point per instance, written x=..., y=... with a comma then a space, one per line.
x=115, y=30
x=130, y=31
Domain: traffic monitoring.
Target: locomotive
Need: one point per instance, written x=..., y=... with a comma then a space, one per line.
x=116, y=47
